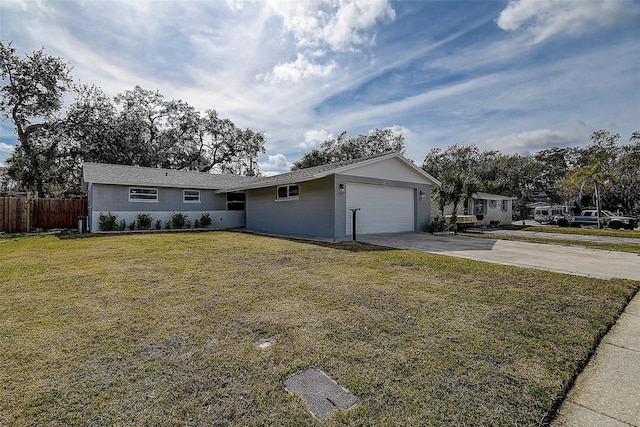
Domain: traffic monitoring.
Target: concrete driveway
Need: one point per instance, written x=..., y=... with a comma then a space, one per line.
x=543, y=256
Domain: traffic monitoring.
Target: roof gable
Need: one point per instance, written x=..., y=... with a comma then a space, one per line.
x=367, y=166
x=393, y=169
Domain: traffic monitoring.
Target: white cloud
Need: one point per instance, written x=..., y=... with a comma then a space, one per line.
x=318, y=27
x=409, y=140
x=6, y=148
x=298, y=69
x=353, y=18
x=5, y=151
x=235, y=4
x=547, y=18
x=432, y=97
x=275, y=164
x=532, y=141
x=341, y=25
x=313, y=138
x=397, y=130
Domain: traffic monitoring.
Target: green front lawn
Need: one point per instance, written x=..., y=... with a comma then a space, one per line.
x=160, y=329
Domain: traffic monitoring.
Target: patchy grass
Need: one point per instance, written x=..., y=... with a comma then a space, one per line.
x=620, y=247
x=586, y=231
x=161, y=329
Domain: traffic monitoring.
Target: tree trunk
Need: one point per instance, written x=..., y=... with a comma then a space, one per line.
x=595, y=184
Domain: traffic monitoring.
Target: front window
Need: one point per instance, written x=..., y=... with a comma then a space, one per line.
x=235, y=201
x=288, y=192
x=140, y=194
x=493, y=204
x=504, y=205
x=191, y=196
x=479, y=209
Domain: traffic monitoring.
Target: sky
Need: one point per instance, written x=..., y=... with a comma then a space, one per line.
x=516, y=76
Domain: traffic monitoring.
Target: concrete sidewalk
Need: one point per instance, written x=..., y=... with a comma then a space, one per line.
x=607, y=392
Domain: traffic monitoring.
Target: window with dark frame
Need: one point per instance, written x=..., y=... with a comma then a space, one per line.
x=290, y=192
x=141, y=194
x=191, y=196
x=236, y=201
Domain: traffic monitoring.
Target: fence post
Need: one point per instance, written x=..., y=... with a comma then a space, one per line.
x=27, y=206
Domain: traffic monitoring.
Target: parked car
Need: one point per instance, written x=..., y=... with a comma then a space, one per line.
x=589, y=217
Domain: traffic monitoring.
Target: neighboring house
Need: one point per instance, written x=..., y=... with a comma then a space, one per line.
x=488, y=208
x=391, y=193
x=491, y=208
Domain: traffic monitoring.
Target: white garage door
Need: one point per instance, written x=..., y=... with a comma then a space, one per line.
x=383, y=209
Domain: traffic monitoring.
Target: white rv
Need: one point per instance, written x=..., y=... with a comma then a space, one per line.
x=549, y=214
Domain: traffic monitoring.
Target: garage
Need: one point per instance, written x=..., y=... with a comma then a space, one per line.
x=383, y=209
x=393, y=195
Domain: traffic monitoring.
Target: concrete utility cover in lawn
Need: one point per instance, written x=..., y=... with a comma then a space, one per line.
x=322, y=394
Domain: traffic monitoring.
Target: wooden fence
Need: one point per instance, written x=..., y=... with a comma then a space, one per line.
x=13, y=214
x=23, y=214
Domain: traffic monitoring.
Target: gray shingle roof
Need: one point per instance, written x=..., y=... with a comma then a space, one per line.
x=489, y=196
x=100, y=173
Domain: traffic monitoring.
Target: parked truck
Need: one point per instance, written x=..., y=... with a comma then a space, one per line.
x=589, y=217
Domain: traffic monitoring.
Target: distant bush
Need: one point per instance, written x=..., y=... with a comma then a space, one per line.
x=107, y=222
x=144, y=221
x=205, y=220
x=438, y=224
x=178, y=220
x=158, y=224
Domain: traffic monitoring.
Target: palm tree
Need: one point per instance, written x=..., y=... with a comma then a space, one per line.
x=593, y=173
x=456, y=186
x=441, y=198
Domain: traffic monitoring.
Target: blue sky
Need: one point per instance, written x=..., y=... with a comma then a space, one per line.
x=517, y=76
